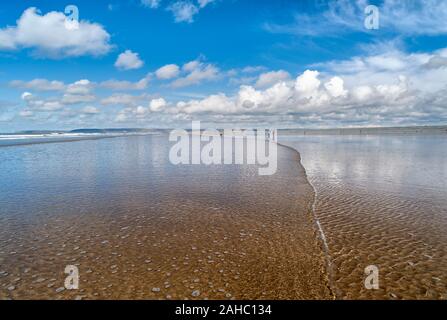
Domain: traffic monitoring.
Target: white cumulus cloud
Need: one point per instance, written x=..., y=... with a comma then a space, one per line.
x=38, y=85
x=90, y=110
x=197, y=72
x=269, y=78
x=157, y=104
x=168, y=71
x=128, y=60
x=47, y=35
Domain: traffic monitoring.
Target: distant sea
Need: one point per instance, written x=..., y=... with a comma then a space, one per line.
x=45, y=136
x=369, y=131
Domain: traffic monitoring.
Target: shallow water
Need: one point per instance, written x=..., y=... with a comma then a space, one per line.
x=139, y=227
x=381, y=200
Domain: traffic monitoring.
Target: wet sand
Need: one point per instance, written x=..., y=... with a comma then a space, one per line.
x=381, y=201
x=140, y=228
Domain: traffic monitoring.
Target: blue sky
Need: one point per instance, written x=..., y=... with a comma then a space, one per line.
x=161, y=63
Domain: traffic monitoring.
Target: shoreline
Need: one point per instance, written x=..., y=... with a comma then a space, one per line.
x=319, y=228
